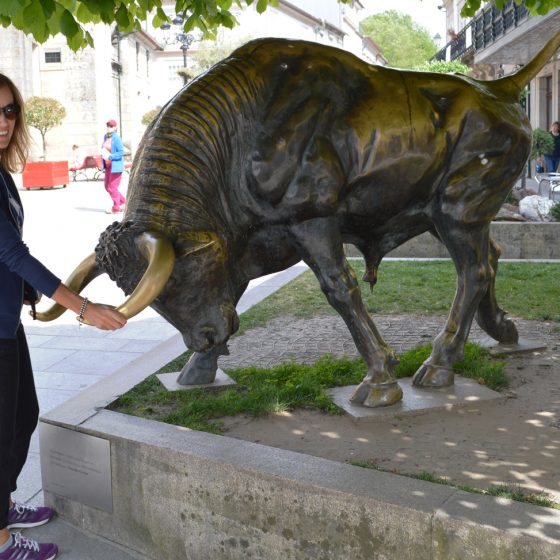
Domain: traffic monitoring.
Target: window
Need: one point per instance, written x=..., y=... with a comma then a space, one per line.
x=137, y=56
x=147, y=63
x=53, y=57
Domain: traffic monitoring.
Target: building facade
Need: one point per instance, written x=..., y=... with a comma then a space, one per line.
x=128, y=74
x=321, y=21
x=496, y=42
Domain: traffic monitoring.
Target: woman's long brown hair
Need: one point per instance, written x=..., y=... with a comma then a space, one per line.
x=14, y=157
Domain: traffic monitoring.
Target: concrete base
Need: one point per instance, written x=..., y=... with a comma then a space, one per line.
x=464, y=393
x=169, y=381
x=524, y=345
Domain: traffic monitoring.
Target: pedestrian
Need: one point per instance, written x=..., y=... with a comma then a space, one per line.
x=112, y=152
x=22, y=277
x=552, y=160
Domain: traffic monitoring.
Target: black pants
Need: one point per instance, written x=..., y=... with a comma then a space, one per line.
x=19, y=413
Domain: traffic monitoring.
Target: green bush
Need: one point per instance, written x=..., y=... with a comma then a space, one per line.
x=542, y=143
x=555, y=212
x=148, y=117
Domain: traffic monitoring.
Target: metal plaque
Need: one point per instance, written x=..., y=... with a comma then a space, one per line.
x=76, y=466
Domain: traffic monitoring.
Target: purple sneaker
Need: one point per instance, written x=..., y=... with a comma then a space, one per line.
x=22, y=516
x=23, y=548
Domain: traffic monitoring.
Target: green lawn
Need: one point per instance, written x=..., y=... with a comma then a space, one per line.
x=527, y=290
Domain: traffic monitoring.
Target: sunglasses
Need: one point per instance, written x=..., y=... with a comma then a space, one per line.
x=11, y=111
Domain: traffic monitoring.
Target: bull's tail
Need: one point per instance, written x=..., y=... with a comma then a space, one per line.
x=513, y=85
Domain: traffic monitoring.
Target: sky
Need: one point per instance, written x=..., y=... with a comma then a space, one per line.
x=423, y=12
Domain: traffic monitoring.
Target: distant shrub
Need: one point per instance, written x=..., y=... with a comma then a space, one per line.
x=555, y=212
x=148, y=117
x=444, y=67
x=542, y=143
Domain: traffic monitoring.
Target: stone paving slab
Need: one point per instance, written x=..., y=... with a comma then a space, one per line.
x=169, y=381
x=465, y=392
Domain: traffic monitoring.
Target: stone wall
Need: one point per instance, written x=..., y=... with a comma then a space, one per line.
x=518, y=240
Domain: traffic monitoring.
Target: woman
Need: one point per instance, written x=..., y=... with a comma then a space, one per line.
x=112, y=151
x=552, y=160
x=19, y=409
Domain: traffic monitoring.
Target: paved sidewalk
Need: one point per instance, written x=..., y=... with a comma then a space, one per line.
x=61, y=228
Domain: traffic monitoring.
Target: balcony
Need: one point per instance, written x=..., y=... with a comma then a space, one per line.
x=507, y=36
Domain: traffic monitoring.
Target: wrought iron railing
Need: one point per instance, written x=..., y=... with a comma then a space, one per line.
x=485, y=28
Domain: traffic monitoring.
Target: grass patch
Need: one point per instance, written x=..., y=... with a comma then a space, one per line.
x=418, y=287
x=509, y=491
x=284, y=387
x=476, y=364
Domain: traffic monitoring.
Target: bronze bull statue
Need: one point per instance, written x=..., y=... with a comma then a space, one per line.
x=286, y=150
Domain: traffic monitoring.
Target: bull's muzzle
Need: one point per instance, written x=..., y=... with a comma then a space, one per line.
x=160, y=255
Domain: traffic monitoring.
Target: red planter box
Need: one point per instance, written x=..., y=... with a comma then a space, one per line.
x=45, y=174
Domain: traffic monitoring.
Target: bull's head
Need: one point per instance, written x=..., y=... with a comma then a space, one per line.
x=186, y=282
x=159, y=254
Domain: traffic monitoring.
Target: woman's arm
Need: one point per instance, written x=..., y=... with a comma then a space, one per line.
x=117, y=148
x=101, y=316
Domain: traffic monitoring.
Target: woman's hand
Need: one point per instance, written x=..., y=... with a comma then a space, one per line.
x=104, y=317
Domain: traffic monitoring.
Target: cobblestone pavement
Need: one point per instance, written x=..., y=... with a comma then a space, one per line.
x=286, y=338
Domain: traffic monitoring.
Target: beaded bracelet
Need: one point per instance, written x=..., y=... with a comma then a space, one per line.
x=82, y=311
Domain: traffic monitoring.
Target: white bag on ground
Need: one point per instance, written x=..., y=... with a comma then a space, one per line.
x=536, y=208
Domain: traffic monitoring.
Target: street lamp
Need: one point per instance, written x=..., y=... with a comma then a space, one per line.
x=180, y=37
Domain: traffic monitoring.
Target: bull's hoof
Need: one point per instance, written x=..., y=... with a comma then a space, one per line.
x=199, y=370
x=373, y=396
x=429, y=375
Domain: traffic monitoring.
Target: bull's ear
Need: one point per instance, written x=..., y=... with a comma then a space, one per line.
x=194, y=241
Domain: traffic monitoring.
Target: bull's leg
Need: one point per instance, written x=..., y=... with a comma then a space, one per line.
x=202, y=367
x=489, y=316
x=468, y=248
x=320, y=245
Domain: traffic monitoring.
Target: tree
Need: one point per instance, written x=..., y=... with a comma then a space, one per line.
x=542, y=143
x=405, y=44
x=536, y=7
x=444, y=67
x=44, y=113
x=46, y=18
x=209, y=53
x=148, y=117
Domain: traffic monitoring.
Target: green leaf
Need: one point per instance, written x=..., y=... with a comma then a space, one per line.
x=160, y=18
x=10, y=7
x=78, y=41
x=48, y=8
x=84, y=15
x=68, y=25
x=35, y=23
x=261, y=6
x=123, y=18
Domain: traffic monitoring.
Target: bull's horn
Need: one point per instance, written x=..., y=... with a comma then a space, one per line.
x=161, y=260
x=83, y=274
x=516, y=82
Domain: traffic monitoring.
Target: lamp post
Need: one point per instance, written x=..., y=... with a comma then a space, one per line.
x=180, y=37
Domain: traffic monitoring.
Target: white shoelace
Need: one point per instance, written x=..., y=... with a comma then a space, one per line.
x=21, y=508
x=23, y=542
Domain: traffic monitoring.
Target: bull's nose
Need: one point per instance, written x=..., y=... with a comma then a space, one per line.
x=208, y=334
